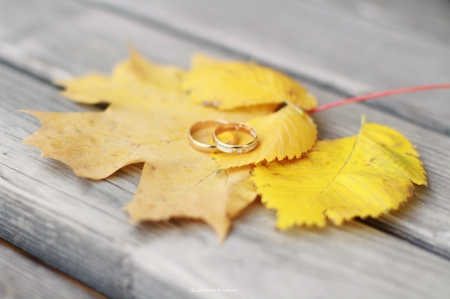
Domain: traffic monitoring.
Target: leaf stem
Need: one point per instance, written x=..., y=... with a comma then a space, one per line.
x=377, y=95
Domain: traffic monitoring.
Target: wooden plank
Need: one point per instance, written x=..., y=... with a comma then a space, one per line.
x=23, y=278
x=425, y=20
x=348, y=54
x=77, y=227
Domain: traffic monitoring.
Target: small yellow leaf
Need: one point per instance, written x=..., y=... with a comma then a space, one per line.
x=360, y=176
x=283, y=134
x=227, y=85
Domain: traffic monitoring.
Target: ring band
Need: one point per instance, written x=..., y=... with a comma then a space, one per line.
x=239, y=148
x=202, y=147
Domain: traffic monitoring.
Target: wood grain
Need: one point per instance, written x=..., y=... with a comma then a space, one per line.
x=77, y=226
x=424, y=20
x=23, y=278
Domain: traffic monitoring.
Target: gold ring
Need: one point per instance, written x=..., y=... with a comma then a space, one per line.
x=202, y=147
x=239, y=148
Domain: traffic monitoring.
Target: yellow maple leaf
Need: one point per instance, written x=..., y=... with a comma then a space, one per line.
x=148, y=122
x=365, y=175
x=227, y=85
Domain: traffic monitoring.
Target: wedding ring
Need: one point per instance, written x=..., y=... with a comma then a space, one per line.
x=203, y=147
x=239, y=148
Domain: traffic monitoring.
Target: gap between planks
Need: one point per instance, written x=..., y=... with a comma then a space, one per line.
x=20, y=257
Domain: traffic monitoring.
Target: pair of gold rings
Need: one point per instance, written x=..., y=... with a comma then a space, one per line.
x=220, y=146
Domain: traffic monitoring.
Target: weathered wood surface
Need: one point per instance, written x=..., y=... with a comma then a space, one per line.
x=425, y=20
x=330, y=46
x=23, y=278
x=77, y=226
x=156, y=44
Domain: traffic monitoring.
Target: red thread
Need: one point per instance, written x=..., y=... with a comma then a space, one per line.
x=377, y=95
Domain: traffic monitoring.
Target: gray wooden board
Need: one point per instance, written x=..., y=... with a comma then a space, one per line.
x=335, y=49
x=159, y=46
x=23, y=278
x=425, y=20
x=77, y=225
